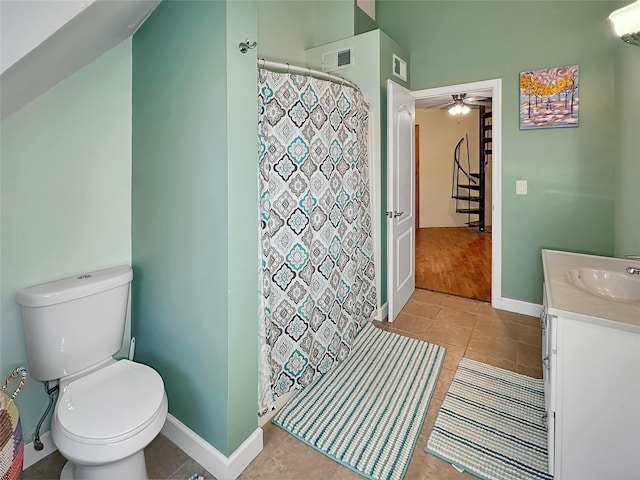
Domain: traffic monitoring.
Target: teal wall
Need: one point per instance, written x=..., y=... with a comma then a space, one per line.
x=66, y=195
x=283, y=30
x=334, y=20
x=570, y=171
x=286, y=28
x=194, y=210
x=627, y=186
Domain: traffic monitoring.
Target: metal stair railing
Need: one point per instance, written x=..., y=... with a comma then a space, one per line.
x=462, y=191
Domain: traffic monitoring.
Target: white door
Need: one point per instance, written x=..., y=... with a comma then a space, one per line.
x=401, y=239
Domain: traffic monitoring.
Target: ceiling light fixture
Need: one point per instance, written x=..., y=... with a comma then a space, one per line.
x=459, y=109
x=626, y=23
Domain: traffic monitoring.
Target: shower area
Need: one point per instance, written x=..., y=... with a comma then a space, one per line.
x=316, y=251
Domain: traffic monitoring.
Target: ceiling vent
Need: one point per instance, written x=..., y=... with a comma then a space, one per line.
x=337, y=60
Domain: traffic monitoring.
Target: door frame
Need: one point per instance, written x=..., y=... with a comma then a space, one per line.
x=494, y=89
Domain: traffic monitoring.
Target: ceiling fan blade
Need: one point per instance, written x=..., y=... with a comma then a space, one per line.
x=443, y=105
x=478, y=100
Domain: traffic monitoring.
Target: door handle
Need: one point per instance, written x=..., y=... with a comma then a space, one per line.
x=394, y=214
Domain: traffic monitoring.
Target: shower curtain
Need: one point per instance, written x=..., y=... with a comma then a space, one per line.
x=316, y=251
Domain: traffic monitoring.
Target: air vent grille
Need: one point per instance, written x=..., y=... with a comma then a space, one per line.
x=337, y=60
x=344, y=58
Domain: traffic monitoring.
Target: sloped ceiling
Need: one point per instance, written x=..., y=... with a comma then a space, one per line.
x=38, y=54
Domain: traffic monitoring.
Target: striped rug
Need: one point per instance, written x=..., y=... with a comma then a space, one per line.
x=367, y=412
x=490, y=424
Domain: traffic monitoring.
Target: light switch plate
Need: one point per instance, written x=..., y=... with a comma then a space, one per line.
x=521, y=187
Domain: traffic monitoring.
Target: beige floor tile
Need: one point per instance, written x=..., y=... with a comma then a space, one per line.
x=291, y=460
x=529, y=320
x=481, y=308
x=415, y=469
x=441, y=333
x=509, y=316
x=410, y=323
x=452, y=316
x=380, y=324
x=272, y=435
x=427, y=296
x=163, y=458
x=529, y=356
x=494, y=346
x=531, y=335
x=189, y=469
x=420, y=309
x=446, y=376
x=453, y=356
x=465, y=304
x=495, y=327
x=47, y=468
x=430, y=418
x=344, y=473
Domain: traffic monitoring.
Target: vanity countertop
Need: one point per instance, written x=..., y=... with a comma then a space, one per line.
x=565, y=299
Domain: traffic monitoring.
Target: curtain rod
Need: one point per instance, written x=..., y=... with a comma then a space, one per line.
x=266, y=64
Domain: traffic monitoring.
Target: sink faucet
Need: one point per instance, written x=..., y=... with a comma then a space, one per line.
x=633, y=270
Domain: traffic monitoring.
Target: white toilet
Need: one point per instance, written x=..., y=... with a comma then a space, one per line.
x=108, y=410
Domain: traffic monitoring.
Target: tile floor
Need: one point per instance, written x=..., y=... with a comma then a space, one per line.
x=467, y=328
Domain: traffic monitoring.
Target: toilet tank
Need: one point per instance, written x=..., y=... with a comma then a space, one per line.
x=74, y=323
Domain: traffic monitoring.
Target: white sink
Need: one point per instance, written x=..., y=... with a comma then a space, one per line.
x=622, y=287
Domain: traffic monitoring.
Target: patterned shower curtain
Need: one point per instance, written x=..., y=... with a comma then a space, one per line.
x=316, y=249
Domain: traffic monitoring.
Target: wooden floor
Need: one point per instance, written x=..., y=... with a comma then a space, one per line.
x=455, y=260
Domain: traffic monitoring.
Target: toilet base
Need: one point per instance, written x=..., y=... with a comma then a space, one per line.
x=130, y=468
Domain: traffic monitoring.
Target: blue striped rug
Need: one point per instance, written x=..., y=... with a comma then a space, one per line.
x=367, y=412
x=490, y=424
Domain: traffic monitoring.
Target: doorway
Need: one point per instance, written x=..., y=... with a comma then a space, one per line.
x=493, y=90
x=453, y=187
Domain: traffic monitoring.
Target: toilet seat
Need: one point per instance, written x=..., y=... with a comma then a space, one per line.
x=111, y=404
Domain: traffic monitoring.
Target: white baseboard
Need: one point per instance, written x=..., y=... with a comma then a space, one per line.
x=381, y=312
x=31, y=455
x=218, y=465
x=519, y=306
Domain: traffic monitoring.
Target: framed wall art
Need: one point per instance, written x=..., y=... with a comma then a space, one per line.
x=549, y=98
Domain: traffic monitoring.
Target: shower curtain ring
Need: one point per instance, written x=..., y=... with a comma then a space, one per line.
x=288, y=68
x=264, y=63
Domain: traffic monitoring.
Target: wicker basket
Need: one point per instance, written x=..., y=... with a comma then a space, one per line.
x=11, y=439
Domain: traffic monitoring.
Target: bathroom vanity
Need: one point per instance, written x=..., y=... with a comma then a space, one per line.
x=591, y=366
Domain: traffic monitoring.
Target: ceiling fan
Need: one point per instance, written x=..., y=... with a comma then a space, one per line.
x=461, y=105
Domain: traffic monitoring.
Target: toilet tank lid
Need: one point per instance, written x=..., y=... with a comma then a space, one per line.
x=71, y=288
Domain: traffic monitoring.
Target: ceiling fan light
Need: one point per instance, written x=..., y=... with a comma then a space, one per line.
x=456, y=109
x=459, y=109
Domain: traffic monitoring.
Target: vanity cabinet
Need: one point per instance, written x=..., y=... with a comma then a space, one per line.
x=591, y=369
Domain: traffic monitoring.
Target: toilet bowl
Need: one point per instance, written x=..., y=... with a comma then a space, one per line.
x=107, y=410
x=104, y=420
